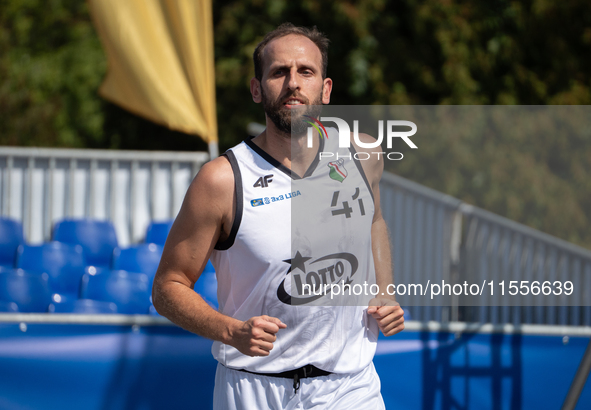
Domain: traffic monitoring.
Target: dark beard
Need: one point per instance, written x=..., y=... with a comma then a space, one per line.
x=291, y=121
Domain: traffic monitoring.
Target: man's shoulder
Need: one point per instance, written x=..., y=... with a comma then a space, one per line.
x=215, y=179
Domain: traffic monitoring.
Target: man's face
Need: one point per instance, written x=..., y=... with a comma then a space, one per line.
x=292, y=78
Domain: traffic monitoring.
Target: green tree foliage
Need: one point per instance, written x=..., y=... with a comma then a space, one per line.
x=382, y=52
x=51, y=64
x=530, y=164
x=446, y=52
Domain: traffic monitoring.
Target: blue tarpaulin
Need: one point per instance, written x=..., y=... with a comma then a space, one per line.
x=83, y=366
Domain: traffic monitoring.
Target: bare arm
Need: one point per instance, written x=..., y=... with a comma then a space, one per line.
x=383, y=308
x=205, y=216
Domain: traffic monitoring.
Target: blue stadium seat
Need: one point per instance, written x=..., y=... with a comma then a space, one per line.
x=8, y=307
x=129, y=291
x=11, y=236
x=63, y=262
x=157, y=232
x=97, y=238
x=63, y=304
x=30, y=291
x=207, y=286
x=142, y=258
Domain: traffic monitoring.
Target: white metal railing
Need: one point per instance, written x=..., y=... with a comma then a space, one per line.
x=436, y=237
x=499, y=248
x=39, y=186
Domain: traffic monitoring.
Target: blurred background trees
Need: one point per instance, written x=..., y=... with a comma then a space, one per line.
x=531, y=52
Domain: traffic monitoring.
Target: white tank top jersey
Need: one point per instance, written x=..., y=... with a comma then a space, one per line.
x=289, y=232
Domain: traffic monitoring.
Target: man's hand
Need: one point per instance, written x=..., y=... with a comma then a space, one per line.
x=255, y=337
x=388, y=314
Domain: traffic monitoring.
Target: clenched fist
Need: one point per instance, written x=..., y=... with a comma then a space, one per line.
x=388, y=314
x=255, y=337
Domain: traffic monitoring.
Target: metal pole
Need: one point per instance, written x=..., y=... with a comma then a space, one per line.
x=213, y=150
x=455, y=246
x=579, y=381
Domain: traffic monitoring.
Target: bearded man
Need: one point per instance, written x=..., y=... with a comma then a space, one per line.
x=266, y=214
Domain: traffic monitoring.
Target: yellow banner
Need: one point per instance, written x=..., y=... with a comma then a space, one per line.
x=160, y=61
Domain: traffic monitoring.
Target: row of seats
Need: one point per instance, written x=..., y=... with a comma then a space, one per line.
x=84, y=271
x=65, y=263
x=98, y=239
x=101, y=290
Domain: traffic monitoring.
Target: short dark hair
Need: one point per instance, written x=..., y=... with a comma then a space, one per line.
x=286, y=29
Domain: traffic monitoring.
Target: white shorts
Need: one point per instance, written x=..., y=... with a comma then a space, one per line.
x=236, y=390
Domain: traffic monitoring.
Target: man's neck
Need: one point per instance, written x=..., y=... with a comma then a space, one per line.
x=291, y=151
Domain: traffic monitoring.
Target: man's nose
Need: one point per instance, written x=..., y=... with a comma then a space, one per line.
x=292, y=81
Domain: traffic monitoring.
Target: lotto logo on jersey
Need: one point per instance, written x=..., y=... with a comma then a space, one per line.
x=257, y=202
x=313, y=278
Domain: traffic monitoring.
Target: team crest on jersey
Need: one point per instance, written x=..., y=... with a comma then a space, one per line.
x=337, y=170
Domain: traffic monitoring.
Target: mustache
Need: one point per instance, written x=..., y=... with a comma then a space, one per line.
x=293, y=95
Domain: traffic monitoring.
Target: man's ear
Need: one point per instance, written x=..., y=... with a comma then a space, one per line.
x=326, y=89
x=255, y=90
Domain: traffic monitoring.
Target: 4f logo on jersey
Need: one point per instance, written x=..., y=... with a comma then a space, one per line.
x=264, y=182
